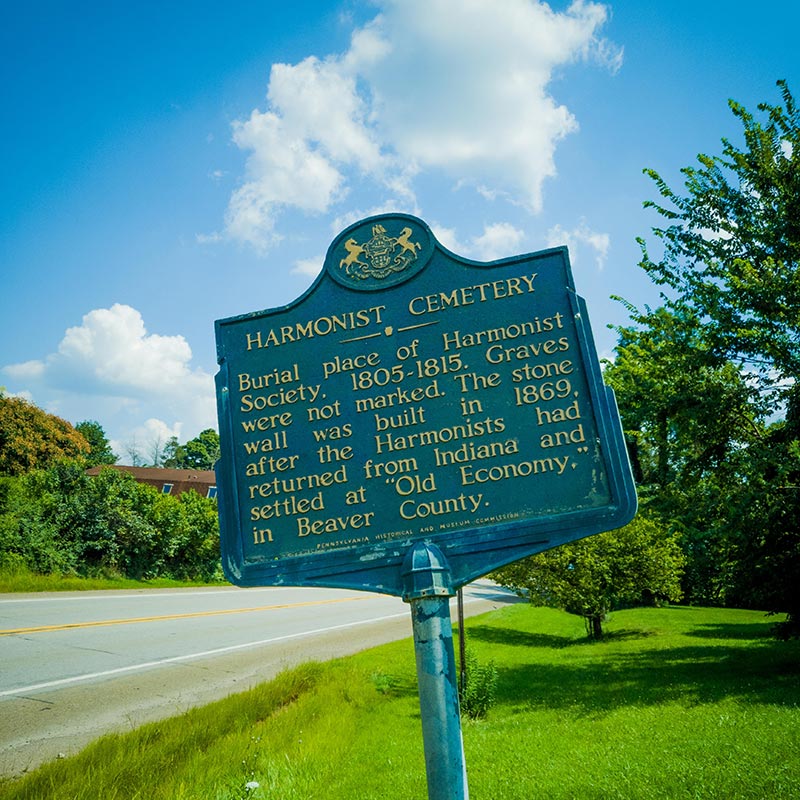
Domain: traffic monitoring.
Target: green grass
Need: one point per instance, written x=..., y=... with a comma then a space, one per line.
x=22, y=580
x=675, y=703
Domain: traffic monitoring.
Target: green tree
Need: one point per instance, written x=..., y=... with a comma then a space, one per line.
x=100, y=451
x=730, y=255
x=171, y=453
x=197, y=555
x=731, y=245
x=199, y=453
x=33, y=439
x=763, y=564
x=691, y=419
x=684, y=407
x=64, y=521
x=638, y=564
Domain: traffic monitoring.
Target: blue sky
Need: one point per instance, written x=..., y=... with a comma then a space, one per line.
x=168, y=164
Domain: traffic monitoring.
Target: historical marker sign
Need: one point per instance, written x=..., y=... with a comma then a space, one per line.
x=413, y=395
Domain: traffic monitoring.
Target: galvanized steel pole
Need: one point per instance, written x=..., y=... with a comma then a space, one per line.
x=428, y=590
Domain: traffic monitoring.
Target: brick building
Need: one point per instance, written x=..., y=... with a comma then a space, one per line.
x=170, y=481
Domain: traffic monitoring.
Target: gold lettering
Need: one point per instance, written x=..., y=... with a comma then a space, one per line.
x=322, y=326
x=522, y=469
x=283, y=397
x=466, y=295
x=299, y=483
x=469, y=451
x=333, y=524
x=288, y=507
x=457, y=340
x=413, y=509
x=468, y=430
x=271, y=464
x=267, y=423
x=374, y=469
x=399, y=397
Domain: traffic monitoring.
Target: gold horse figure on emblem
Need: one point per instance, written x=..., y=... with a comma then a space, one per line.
x=354, y=250
x=403, y=241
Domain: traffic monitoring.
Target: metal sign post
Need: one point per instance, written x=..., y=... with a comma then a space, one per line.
x=412, y=422
x=428, y=591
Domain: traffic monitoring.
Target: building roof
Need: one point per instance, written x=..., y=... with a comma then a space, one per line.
x=179, y=480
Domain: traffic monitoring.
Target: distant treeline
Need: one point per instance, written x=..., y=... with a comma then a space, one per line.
x=61, y=520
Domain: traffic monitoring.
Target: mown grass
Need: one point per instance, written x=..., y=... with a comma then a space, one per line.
x=22, y=580
x=675, y=703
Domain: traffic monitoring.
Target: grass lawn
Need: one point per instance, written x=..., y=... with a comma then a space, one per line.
x=675, y=703
x=22, y=580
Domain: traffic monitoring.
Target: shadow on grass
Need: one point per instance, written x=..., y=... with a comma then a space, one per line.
x=695, y=675
x=509, y=636
x=734, y=631
x=745, y=664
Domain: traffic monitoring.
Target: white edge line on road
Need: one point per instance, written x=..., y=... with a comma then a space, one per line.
x=174, y=659
x=189, y=656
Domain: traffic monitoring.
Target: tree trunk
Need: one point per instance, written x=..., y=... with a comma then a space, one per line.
x=594, y=626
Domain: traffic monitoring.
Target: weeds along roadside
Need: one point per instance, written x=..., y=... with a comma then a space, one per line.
x=675, y=702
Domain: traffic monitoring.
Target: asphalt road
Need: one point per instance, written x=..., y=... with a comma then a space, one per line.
x=74, y=666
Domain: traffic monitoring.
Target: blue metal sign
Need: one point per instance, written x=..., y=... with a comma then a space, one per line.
x=410, y=396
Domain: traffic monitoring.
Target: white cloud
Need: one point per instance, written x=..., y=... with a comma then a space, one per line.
x=309, y=267
x=439, y=86
x=316, y=121
x=463, y=87
x=579, y=238
x=397, y=204
x=112, y=352
x=28, y=370
x=497, y=241
x=145, y=443
x=317, y=101
x=109, y=368
x=209, y=238
x=449, y=238
x=24, y=395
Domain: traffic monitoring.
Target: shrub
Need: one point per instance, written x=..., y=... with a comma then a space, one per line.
x=476, y=693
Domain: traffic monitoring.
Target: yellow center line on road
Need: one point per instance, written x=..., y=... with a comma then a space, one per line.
x=99, y=623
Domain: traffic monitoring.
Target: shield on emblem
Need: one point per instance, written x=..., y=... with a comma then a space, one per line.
x=379, y=249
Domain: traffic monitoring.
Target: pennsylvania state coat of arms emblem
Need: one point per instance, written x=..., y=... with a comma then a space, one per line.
x=380, y=256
